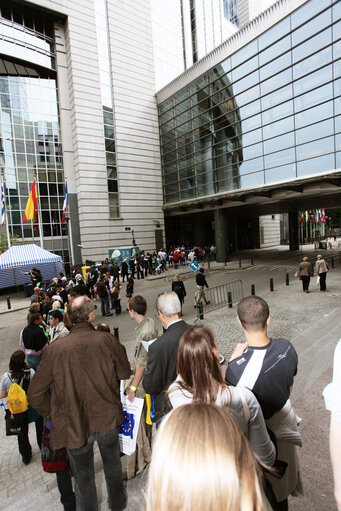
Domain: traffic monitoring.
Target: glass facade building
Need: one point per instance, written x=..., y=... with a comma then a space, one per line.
x=29, y=124
x=269, y=113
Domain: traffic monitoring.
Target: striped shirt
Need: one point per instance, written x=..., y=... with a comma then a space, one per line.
x=268, y=371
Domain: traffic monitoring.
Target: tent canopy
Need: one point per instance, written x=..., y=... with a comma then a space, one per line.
x=22, y=255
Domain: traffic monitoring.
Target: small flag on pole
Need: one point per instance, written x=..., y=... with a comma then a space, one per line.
x=2, y=203
x=66, y=202
x=31, y=204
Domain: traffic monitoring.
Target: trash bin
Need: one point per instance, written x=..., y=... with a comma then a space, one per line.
x=323, y=245
x=28, y=290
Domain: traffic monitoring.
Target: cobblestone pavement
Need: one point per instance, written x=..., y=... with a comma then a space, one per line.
x=292, y=315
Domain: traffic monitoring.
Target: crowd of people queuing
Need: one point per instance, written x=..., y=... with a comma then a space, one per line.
x=224, y=440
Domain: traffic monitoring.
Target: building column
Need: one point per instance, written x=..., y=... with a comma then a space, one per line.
x=293, y=231
x=221, y=235
x=198, y=231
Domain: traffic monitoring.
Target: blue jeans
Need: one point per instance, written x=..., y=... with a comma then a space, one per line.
x=33, y=361
x=82, y=466
x=105, y=306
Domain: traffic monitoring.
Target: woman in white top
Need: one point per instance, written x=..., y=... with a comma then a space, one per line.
x=18, y=371
x=200, y=379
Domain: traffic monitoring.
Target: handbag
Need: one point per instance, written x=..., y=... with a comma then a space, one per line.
x=16, y=424
x=131, y=421
x=52, y=461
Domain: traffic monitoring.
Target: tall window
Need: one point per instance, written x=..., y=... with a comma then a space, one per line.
x=231, y=11
x=107, y=104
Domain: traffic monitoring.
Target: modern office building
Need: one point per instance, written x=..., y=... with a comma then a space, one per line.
x=245, y=126
x=254, y=129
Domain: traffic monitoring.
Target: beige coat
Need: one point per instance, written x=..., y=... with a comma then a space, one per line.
x=77, y=385
x=321, y=266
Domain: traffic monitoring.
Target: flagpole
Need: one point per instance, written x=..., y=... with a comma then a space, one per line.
x=69, y=227
x=70, y=241
x=40, y=222
x=3, y=205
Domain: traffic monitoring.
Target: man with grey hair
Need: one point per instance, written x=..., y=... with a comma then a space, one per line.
x=162, y=353
x=78, y=387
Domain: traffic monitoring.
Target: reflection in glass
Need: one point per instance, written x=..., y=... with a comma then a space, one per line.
x=221, y=131
x=283, y=173
x=315, y=165
x=311, y=27
x=254, y=165
x=279, y=158
x=273, y=34
x=314, y=44
x=314, y=131
x=249, y=180
x=278, y=128
x=30, y=143
x=278, y=143
x=314, y=97
x=316, y=148
x=318, y=113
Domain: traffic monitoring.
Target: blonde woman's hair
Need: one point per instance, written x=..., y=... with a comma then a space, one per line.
x=177, y=278
x=56, y=305
x=202, y=461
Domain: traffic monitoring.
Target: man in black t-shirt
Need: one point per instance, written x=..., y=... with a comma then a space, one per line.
x=267, y=367
x=201, y=282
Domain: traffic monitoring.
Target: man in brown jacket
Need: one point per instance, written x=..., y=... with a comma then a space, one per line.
x=77, y=386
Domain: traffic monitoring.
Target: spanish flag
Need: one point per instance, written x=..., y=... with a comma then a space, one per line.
x=32, y=203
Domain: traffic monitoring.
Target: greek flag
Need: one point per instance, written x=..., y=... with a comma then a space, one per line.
x=2, y=203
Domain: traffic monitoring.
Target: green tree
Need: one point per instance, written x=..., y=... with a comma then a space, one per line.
x=14, y=240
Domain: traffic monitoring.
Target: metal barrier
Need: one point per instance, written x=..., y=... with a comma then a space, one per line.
x=219, y=296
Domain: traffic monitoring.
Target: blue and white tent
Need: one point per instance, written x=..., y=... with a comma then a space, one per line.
x=24, y=258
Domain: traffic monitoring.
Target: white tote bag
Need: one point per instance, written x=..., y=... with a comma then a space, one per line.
x=130, y=426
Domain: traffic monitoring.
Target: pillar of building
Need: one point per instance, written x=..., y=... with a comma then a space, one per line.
x=221, y=235
x=198, y=231
x=293, y=231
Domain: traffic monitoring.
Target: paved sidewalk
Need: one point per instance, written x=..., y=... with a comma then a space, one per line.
x=312, y=322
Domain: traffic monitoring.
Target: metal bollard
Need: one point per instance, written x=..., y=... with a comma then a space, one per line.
x=240, y=263
x=253, y=292
x=333, y=264
x=209, y=264
x=229, y=299
x=200, y=310
x=252, y=263
x=271, y=284
x=287, y=279
x=9, y=306
x=116, y=334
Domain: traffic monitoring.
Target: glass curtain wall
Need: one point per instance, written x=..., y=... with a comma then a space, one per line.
x=268, y=113
x=107, y=105
x=29, y=124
